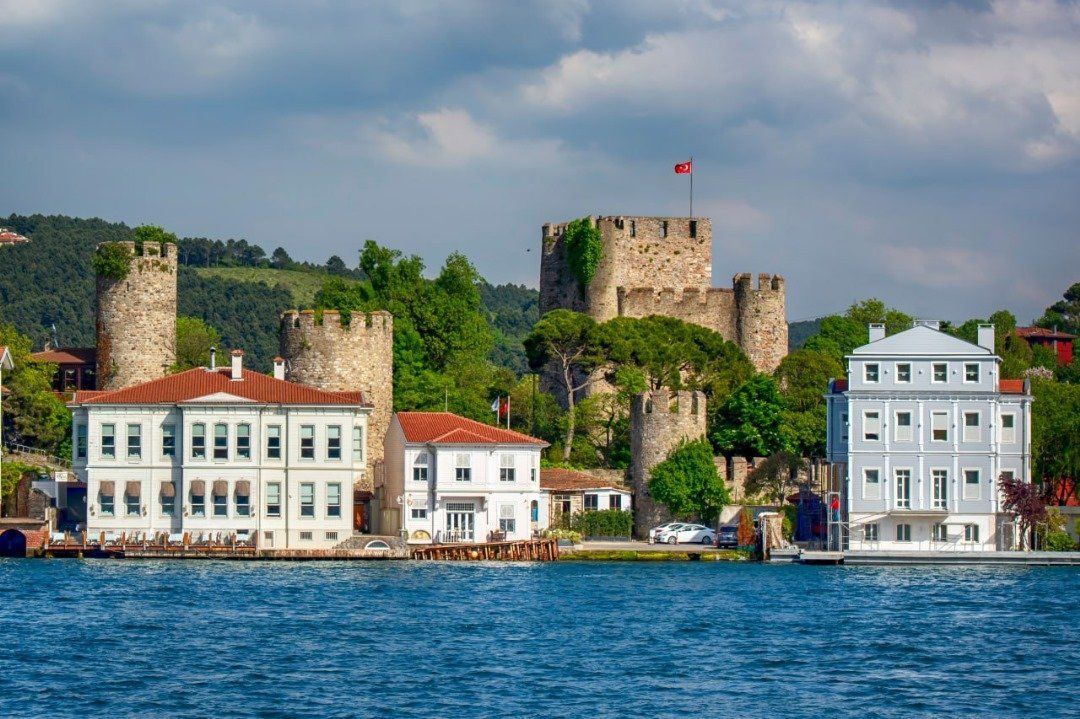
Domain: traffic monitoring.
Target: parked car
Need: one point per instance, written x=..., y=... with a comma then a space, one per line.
x=655, y=532
x=727, y=537
x=689, y=534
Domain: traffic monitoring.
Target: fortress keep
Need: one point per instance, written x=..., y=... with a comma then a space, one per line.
x=663, y=266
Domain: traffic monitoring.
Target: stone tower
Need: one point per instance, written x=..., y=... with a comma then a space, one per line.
x=321, y=349
x=136, y=318
x=663, y=266
x=657, y=425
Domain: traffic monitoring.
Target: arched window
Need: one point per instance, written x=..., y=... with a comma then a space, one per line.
x=377, y=544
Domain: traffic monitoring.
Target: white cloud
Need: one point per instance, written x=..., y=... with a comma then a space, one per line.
x=940, y=268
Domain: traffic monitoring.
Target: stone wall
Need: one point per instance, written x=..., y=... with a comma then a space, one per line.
x=136, y=319
x=658, y=422
x=711, y=307
x=323, y=351
x=761, y=319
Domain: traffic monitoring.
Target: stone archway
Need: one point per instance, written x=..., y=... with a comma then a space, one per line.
x=13, y=543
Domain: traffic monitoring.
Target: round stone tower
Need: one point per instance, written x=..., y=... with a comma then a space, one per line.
x=136, y=318
x=323, y=350
x=761, y=319
x=657, y=425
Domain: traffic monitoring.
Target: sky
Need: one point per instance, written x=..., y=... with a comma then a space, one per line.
x=924, y=153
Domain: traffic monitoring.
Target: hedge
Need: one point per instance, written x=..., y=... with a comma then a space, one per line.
x=599, y=523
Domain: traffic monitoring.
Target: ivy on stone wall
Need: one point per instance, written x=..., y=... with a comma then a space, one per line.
x=112, y=260
x=584, y=249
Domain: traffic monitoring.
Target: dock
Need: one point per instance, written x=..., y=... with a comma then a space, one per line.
x=530, y=550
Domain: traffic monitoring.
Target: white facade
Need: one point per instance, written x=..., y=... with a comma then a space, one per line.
x=461, y=491
x=221, y=464
x=921, y=431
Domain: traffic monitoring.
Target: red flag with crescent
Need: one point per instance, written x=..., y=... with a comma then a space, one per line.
x=684, y=168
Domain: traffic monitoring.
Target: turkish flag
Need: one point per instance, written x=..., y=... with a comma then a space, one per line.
x=684, y=168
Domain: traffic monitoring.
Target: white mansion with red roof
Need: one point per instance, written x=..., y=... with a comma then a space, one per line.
x=221, y=451
x=452, y=479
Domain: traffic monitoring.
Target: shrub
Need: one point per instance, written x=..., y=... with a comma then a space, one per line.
x=569, y=534
x=602, y=523
x=584, y=249
x=112, y=260
x=1059, y=541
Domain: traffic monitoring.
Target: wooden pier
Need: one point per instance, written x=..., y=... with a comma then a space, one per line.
x=531, y=550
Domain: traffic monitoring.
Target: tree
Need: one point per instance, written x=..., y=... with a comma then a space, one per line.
x=775, y=477
x=280, y=259
x=336, y=266
x=803, y=377
x=748, y=423
x=1023, y=500
x=34, y=415
x=1055, y=436
x=688, y=484
x=1065, y=313
x=566, y=339
x=194, y=338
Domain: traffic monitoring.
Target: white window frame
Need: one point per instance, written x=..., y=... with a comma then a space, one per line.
x=978, y=372
x=273, y=434
x=333, y=443
x=111, y=435
x=899, y=374
x=507, y=467
x=82, y=440
x=507, y=518
x=971, y=433
x=933, y=373
x=871, y=532
x=168, y=431
x=972, y=491
x=939, y=532
x=902, y=481
x=243, y=432
x=869, y=485
x=939, y=488
x=909, y=428
x=333, y=508
x=906, y=532
x=198, y=432
x=307, y=444
x=971, y=533
x=614, y=501
x=1008, y=434
x=421, y=467
x=137, y=436
x=462, y=467
x=595, y=501
x=866, y=431
x=273, y=499
x=418, y=513
x=358, y=443
x=877, y=373
x=306, y=499
x=933, y=428
x=224, y=445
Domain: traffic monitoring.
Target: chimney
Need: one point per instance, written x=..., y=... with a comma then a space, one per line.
x=877, y=331
x=237, y=365
x=279, y=368
x=986, y=337
x=213, y=358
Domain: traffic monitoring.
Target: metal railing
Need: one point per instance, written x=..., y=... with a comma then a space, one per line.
x=25, y=452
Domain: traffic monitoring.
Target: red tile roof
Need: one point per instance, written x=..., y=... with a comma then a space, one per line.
x=449, y=428
x=67, y=355
x=1011, y=386
x=1026, y=332
x=200, y=382
x=557, y=479
x=10, y=237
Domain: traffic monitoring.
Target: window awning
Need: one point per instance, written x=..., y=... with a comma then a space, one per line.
x=168, y=489
x=134, y=489
x=243, y=488
x=221, y=488
x=108, y=488
x=198, y=488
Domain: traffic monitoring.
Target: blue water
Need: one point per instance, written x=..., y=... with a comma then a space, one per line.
x=106, y=638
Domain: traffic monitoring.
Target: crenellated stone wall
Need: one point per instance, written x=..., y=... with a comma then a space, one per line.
x=659, y=421
x=321, y=349
x=136, y=319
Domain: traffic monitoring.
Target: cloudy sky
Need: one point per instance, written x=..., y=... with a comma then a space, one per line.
x=925, y=153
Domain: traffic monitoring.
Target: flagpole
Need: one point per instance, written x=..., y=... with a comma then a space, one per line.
x=508, y=411
x=691, y=186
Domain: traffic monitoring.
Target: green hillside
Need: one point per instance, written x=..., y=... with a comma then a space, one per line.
x=303, y=285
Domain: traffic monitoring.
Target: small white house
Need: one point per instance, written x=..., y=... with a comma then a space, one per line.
x=919, y=433
x=221, y=451
x=452, y=479
x=570, y=491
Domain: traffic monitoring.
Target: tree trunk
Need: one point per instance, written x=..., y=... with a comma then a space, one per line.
x=569, y=441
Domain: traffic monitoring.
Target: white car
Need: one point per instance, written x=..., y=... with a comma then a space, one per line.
x=655, y=532
x=688, y=534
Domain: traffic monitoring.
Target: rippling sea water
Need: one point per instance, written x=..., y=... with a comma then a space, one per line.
x=101, y=638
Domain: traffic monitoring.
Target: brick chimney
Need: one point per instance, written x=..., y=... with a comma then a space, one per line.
x=279, y=368
x=237, y=365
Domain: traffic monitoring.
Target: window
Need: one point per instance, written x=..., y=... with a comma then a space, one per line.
x=871, y=372
x=614, y=501
x=903, y=532
x=106, y=503
x=80, y=441
x=971, y=484
x=940, y=488
x=507, y=520
x=198, y=441
x=221, y=505
x=307, y=499
x=131, y=502
x=972, y=431
x=333, y=442
x=971, y=533
x=871, y=426
x=273, y=441
x=462, y=470
x=903, y=488
x=418, y=513
x=420, y=468
x=331, y=536
x=843, y=428
x=198, y=500
x=108, y=440
x=939, y=533
x=243, y=441
x=870, y=532
x=939, y=427
x=941, y=372
x=506, y=468
x=168, y=440
x=532, y=475
x=563, y=503
x=221, y=441
x=592, y=502
x=305, y=536
x=243, y=500
x=307, y=441
x=971, y=372
x=903, y=372
x=268, y=539
x=333, y=500
x=871, y=484
x=273, y=499
x=902, y=429
x=358, y=444
x=1007, y=474
x=134, y=441
x=1008, y=428
x=168, y=499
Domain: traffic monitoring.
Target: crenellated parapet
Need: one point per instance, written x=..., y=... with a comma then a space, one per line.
x=761, y=319
x=344, y=353
x=712, y=307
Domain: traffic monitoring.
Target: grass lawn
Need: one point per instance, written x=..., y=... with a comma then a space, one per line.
x=302, y=285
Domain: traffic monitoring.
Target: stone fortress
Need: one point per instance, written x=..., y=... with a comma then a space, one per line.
x=136, y=318
x=322, y=349
x=663, y=266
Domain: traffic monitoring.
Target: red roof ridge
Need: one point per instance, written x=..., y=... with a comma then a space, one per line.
x=427, y=427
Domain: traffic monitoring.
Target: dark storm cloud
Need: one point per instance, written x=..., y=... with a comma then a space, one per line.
x=927, y=154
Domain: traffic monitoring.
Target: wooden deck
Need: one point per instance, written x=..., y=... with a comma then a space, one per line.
x=530, y=550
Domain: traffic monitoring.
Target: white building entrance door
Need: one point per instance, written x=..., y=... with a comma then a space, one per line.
x=460, y=521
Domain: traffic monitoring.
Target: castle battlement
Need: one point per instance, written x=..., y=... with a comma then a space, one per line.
x=155, y=250
x=744, y=282
x=335, y=322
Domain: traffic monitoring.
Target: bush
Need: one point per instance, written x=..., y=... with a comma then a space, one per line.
x=791, y=517
x=1058, y=541
x=600, y=523
x=112, y=260
x=569, y=534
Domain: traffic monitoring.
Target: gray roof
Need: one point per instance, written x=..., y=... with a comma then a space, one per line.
x=921, y=341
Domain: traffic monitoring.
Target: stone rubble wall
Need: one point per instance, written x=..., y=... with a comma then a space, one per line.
x=136, y=319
